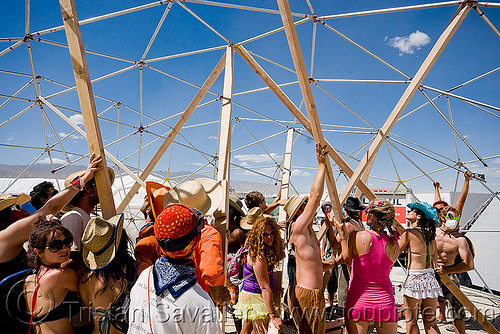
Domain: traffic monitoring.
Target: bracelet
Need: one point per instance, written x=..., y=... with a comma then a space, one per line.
x=76, y=183
x=342, y=239
x=272, y=313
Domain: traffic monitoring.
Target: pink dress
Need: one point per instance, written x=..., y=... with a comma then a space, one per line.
x=370, y=296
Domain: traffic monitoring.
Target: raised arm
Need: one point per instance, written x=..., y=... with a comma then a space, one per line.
x=13, y=237
x=437, y=195
x=347, y=240
x=459, y=205
x=277, y=201
x=306, y=218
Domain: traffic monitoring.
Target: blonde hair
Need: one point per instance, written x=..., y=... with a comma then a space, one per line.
x=256, y=246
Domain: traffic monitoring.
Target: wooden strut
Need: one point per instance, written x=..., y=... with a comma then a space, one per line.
x=175, y=130
x=223, y=168
x=414, y=85
x=476, y=313
x=285, y=187
x=304, y=121
x=300, y=68
x=87, y=104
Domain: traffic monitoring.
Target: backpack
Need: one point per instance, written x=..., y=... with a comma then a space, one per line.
x=235, y=266
x=14, y=316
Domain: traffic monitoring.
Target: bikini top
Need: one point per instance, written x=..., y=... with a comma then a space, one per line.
x=427, y=246
x=68, y=308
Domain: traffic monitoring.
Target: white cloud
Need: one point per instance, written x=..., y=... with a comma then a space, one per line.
x=408, y=44
x=56, y=161
x=212, y=137
x=10, y=139
x=257, y=158
x=77, y=119
x=73, y=136
x=244, y=164
x=195, y=163
x=298, y=172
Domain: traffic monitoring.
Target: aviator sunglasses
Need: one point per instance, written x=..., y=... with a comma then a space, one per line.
x=266, y=234
x=56, y=245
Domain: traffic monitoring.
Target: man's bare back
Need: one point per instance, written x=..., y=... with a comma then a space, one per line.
x=307, y=251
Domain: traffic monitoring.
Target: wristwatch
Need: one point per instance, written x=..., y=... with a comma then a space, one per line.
x=76, y=183
x=342, y=239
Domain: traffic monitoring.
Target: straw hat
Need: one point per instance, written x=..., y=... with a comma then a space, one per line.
x=235, y=202
x=70, y=178
x=156, y=193
x=100, y=241
x=202, y=194
x=7, y=200
x=293, y=204
x=247, y=222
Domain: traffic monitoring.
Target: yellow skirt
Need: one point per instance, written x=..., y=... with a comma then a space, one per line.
x=250, y=306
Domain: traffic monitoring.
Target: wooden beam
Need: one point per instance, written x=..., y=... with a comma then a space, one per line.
x=469, y=305
x=87, y=103
x=175, y=130
x=285, y=179
x=364, y=178
x=300, y=69
x=300, y=116
x=415, y=83
x=285, y=187
x=223, y=168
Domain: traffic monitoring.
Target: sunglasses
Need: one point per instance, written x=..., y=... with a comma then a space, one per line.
x=16, y=207
x=450, y=216
x=266, y=234
x=56, y=245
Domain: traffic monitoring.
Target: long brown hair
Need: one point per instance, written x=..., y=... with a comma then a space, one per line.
x=39, y=238
x=256, y=246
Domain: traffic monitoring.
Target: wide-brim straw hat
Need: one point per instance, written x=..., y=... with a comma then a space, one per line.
x=156, y=193
x=70, y=178
x=7, y=200
x=293, y=204
x=236, y=203
x=100, y=241
x=247, y=222
x=203, y=194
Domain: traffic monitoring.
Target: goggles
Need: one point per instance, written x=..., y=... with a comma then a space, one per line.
x=450, y=216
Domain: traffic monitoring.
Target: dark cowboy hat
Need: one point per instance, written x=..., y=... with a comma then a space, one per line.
x=353, y=204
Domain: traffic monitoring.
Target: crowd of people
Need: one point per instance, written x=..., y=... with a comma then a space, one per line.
x=65, y=270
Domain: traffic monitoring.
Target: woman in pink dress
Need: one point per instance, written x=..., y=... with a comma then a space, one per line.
x=371, y=253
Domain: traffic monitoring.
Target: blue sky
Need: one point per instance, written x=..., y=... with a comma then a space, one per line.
x=401, y=39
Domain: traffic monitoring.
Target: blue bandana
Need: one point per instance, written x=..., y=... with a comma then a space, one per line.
x=177, y=278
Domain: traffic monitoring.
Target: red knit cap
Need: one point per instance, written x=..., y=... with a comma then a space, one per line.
x=175, y=221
